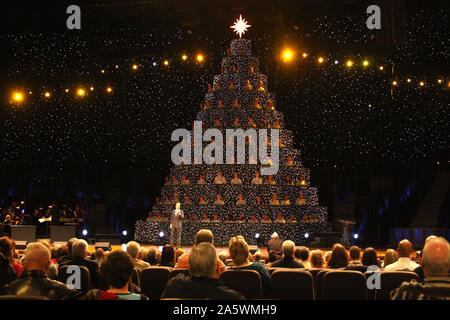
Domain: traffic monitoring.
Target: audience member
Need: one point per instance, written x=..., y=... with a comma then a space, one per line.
x=201, y=236
x=116, y=269
x=369, y=257
x=390, y=256
x=167, y=256
x=355, y=256
x=79, y=254
x=178, y=253
x=287, y=261
x=53, y=270
x=338, y=258
x=99, y=255
x=133, y=249
x=152, y=256
x=7, y=271
x=239, y=252
x=404, y=263
x=275, y=243
x=316, y=259
x=272, y=257
x=203, y=283
x=34, y=280
x=68, y=256
x=436, y=265
x=302, y=255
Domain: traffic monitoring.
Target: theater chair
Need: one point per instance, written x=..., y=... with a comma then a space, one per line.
x=153, y=281
x=357, y=268
x=292, y=284
x=136, y=277
x=85, y=277
x=318, y=283
x=246, y=282
x=314, y=273
x=344, y=285
x=391, y=280
x=12, y=297
x=176, y=272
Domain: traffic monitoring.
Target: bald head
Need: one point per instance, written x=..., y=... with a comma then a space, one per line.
x=436, y=257
x=404, y=248
x=37, y=257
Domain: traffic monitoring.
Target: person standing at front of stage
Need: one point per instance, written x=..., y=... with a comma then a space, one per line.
x=175, y=224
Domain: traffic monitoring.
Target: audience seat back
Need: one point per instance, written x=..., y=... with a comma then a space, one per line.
x=63, y=276
x=391, y=280
x=344, y=285
x=136, y=277
x=153, y=281
x=12, y=297
x=246, y=282
x=357, y=268
x=289, y=284
x=319, y=278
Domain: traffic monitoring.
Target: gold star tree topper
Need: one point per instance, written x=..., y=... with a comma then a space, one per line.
x=240, y=26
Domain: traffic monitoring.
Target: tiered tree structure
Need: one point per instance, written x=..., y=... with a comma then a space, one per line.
x=239, y=98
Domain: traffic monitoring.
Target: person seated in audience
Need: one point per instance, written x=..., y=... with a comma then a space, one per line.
x=218, y=124
x=369, y=257
x=217, y=87
x=157, y=217
x=285, y=201
x=277, y=125
x=203, y=235
x=236, y=123
x=300, y=201
x=288, y=181
x=220, y=104
x=236, y=179
x=292, y=219
x=258, y=201
x=316, y=259
x=174, y=181
x=79, y=254
x=216, y=219
x=185, y=180
x=301, y=254
x=206, y=218
x=152, y=256
x=178, y=253
x=116, y=270
x=271, y=258
x=8, y=272
x=390, y=256
x=256, y=104
x=279, y=218
x=289, y=161
x=404, y=262
x=260, y=86
x=195, y=218
x=314, y=218
x=202, y=201
x=270, y=180
x=274, y=201
x=250, y=123
x=219, y=201
x=164, y=218
x=187, y=201
x=241, y=219
x=257, y=256
x=239, y=253
x=220, y=179
x=167, y=201
x=99, y=256
x=167, y=256
x=266, y=219
x=53, y=270
x=236, y=104
x=240, y=200
x=223, y=256
x=266, y=124
x=301, y=180
x=248, y=86
x=134, y=249
x=167, y=182
x=338, y=258
x=201, y=180
x=436, y=265
x=355, y=256
x=203, y=283
x=287, y=260
x=270, y=105
x=253, y=219
x=257, y=179
x=34, y=280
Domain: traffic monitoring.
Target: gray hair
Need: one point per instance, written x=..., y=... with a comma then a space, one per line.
x=133, y=249
x=79, y=248
x=436, y=256
x=203, y=260
x=288, y=248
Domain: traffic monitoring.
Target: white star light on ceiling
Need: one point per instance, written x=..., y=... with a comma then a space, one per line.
x=240, y=26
